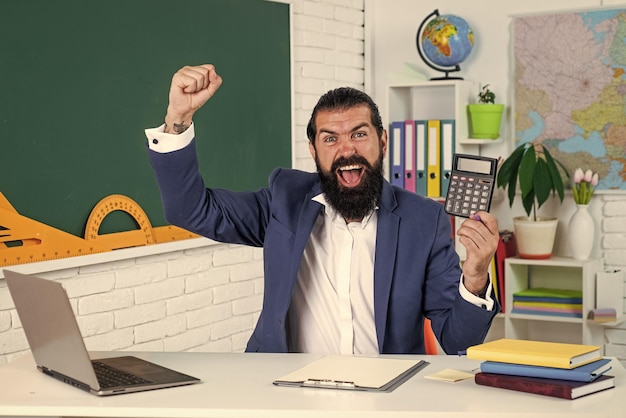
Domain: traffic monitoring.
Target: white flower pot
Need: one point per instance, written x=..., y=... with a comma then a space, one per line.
x=535, y=239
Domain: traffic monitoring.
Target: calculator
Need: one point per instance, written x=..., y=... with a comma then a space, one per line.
x=472, y=181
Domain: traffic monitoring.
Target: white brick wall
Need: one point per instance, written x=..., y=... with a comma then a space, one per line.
x=613, y=244
x=328, y=47
x=201, y=299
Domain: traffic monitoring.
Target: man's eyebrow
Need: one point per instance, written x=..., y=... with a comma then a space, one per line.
x=362, y=125
x=327, y=131
x=356, y=128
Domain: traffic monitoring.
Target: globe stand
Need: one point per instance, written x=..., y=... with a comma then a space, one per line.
x=446, y=71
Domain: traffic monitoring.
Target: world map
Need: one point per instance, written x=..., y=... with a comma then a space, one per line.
x=570, y=89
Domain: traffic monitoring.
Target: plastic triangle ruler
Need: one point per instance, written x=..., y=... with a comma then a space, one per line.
x=24, y=240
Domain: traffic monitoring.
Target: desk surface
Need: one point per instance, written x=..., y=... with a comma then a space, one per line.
x=240, y=385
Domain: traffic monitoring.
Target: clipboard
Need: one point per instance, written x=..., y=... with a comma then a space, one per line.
x=376, y=374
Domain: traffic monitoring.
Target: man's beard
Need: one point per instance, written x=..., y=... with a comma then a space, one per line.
x=357, y=202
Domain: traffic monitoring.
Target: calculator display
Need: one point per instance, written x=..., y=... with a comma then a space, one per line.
x=473, y=165
x=471, y=185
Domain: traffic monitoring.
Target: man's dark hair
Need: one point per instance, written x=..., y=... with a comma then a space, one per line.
x=340, y=99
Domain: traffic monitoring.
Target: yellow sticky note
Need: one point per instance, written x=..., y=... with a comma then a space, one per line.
x=449, y=375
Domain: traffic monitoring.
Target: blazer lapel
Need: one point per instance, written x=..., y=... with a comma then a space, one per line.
x=386, y=247
x=308, y=214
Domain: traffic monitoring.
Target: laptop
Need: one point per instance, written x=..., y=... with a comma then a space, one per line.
x=59, y=349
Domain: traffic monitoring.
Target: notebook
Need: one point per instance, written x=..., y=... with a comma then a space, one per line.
x=535, y=353
x=59, y=349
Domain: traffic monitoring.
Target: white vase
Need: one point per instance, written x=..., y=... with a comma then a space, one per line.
x=581, y=233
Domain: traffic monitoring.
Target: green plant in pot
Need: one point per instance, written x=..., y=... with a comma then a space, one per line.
x=485, y=116
x=538, y=174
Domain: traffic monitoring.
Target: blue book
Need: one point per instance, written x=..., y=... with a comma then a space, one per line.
x=546, y=313
x=585, y=373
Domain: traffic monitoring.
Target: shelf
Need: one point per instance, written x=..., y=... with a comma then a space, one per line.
x=618, y=320
x=553, y=262
x=428, y=83
x=478, y=141
x=556, y=273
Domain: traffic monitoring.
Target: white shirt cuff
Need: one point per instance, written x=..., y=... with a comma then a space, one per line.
x=487, y=303
x=162, y=142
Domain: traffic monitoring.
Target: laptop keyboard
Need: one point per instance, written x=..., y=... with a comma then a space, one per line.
x=109, y=377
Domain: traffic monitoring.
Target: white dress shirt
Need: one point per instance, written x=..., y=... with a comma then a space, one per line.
x=334, y=295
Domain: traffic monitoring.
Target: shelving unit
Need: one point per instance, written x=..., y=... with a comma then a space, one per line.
x=557, y=273
x=438, y=99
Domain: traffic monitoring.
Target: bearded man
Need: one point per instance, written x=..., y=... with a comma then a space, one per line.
x=352, y=264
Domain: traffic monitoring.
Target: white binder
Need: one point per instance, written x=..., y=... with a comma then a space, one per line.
x=610, y=290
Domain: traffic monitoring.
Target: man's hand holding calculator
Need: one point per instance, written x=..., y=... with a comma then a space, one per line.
x=479, y=235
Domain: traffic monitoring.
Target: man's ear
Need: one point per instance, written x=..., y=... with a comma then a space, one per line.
x=383, y=142
x=312, y=149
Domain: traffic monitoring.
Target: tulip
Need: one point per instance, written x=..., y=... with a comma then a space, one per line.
x=578, y=175
x=584, y=182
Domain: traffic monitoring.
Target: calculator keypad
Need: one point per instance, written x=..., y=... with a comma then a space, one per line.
x=468, y=194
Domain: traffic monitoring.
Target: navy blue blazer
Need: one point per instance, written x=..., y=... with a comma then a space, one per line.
x=416, y=269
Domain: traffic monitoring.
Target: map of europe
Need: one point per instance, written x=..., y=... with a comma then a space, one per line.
x=570, y=89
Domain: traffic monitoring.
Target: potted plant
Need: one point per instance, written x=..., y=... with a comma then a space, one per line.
x=535, y=170
x=485, y=116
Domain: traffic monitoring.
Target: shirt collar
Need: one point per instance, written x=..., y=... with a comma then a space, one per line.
x=334, y=215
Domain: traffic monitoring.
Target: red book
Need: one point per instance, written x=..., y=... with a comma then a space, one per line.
x=566, y=389
x=506, y=248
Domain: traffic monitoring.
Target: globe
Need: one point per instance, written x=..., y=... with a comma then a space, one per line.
x=445, y=41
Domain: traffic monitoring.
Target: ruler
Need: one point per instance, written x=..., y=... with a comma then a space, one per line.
x=25, y=240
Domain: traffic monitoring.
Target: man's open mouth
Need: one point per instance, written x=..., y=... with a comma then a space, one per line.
x=350, y=175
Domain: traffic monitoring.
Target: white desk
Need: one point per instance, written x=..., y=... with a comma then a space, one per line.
x=240, y=385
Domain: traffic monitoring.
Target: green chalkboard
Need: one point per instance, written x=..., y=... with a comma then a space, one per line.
x=81, y=80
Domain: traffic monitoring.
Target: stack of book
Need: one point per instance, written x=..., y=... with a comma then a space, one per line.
x=554, y=302
x=560, y=370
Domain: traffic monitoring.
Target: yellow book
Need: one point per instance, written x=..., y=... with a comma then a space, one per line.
x=535, y=353
x=433, y=181
x=493, y=274
x=578, y=306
